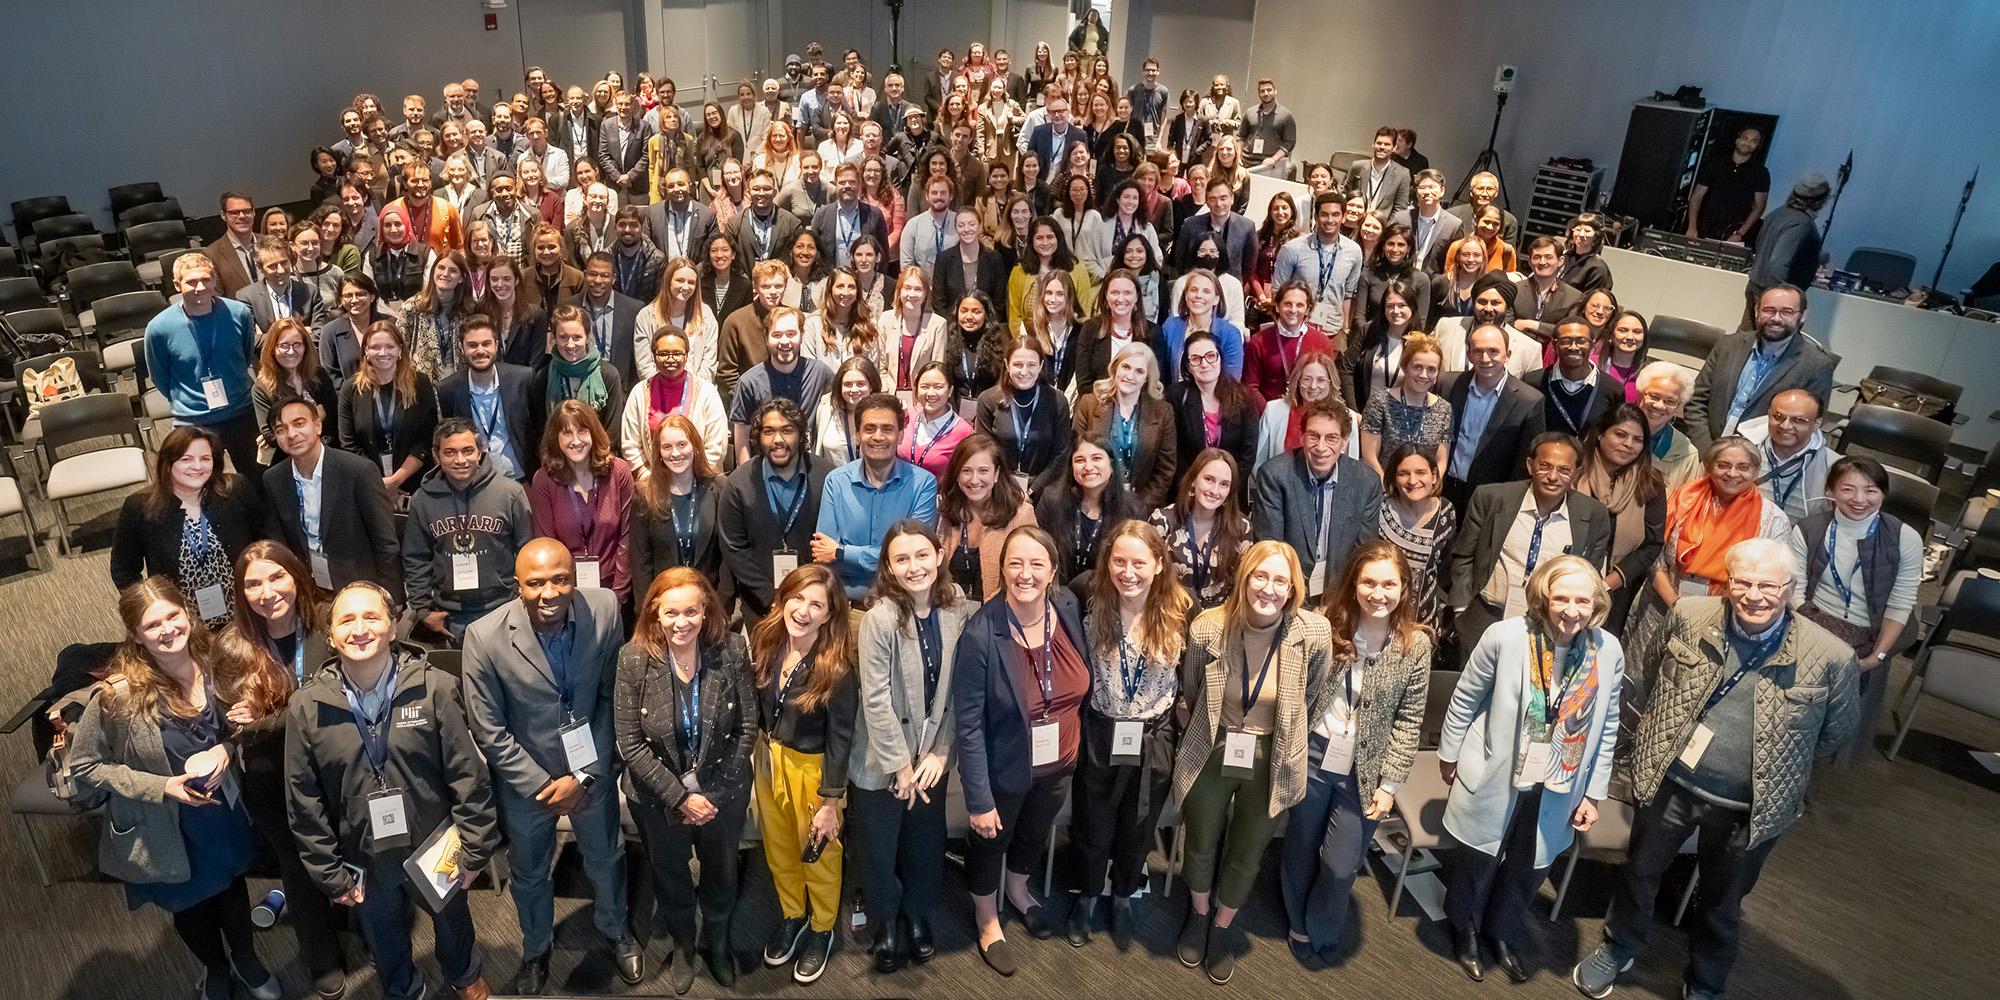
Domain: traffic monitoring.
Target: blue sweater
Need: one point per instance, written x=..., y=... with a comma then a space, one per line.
x=183, y=350
x=857, y=515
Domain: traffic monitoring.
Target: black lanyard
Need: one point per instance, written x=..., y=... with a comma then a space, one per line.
x=1045, y=671
x=1023, y=427
x=930, y=645
x=684, y=534
x=1127, y=674
x=1201, y=555
x=790, y=516
x=1760, y=652
x=374, y=732
x=1251, y=694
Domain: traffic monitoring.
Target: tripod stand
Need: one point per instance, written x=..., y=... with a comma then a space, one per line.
x=1488, y=161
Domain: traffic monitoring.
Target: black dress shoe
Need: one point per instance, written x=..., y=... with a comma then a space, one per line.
x=784, y=943
x=918, y=932
x=680, y=974
x=1081, y=916
x=1303, y=953
x=1193, y=943
x=889, y=949
x=721, y=966
x=1509, y=960
x=1465, y=949
x=1036, y=920
x=531, y=978
x=1122, y=922
x=998, y=957
x=631, y=960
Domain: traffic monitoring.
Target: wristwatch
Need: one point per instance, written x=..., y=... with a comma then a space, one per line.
x=586, y=780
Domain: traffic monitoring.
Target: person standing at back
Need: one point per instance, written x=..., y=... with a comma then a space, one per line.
x=200, y=353
x=1788, y=245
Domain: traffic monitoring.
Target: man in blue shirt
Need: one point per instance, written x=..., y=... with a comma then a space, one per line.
x=1327, y=262
x=200, y=354
x=864, y=497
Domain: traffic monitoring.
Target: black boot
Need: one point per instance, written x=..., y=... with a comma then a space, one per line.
x=1081, y=915
x=1122, y=922
x=1508, y=959
x=918, y=935
x=890, y=948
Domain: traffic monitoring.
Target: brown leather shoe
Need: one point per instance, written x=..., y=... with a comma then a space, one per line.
x=479, y=990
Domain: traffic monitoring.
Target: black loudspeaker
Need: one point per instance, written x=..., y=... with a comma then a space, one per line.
x=1656, y=170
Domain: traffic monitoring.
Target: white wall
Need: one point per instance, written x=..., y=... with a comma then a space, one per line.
x=1193, y=39
x=115, y=91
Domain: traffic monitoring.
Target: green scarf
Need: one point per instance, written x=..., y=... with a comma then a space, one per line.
x=591, y=391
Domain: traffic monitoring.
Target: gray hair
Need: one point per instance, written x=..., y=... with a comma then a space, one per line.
x=1737, y=441
x=1763, y=553
x=1666, y=370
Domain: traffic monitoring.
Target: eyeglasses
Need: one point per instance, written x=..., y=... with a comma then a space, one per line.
x=1204, y=359
x=1779, y=311
x=1762, y=588
x=1781, y=420
x=1270, y=581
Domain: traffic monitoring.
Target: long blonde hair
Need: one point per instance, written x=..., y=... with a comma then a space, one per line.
x=1107, y=387
x=137, y=685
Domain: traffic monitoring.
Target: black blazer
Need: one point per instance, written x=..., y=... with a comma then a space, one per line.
x=651, y=548
x=1095, y=361
x=948, y=284
x=743, y=235
x=1239, y=431
x=1483, y=530
x=994, y=752
x=527, y=343
x=148, y=543
x=826, y=226
x=356, y=527
x=751, y=531
x=1517, y=418
x=624, y=316
x=517, y=395
x=646, y=724
x=700, y=226
x=735, y=298
x=362, y=435
x=1610, y=392
x=615, y=384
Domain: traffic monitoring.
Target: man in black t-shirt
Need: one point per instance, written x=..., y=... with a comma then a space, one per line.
x=1729, y=196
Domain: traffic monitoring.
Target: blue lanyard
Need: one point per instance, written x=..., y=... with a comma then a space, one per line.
x=1535, y=540
x=1781, y=492
x=374, y=735
x=1125, y=438
x=1127, y=675
x=1326, y=267
x=1045, y=671
x=923, y=451
x=198, y=546
x=790, y=516
x=931, y=647
x=486, y=418
x=1833, y=569
x=625, y=273
x=1201, y=555
x=1251, y=694
x=848, y=225
x=690, y=708
x=1022, y=427
x=684, y=534
x=1750, y=665
x=762, y=231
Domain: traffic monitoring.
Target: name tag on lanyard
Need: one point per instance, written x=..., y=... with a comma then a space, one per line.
x=1535, y=769
x=389, y=818
x=465, y=571
x=1239, y=752
x=1126, y=740
x=578, y=748
x=1047, y=738
x=589, y=573
x=214, y=394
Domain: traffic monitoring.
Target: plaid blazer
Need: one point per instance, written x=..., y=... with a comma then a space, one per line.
x=1213, y=649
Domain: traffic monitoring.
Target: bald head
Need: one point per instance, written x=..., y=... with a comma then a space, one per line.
x=545, y=575
x=1791, y=419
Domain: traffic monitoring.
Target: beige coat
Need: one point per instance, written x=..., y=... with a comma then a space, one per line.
x=1213, y=654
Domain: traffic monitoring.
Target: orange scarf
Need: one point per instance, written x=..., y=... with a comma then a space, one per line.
x=1703, y=534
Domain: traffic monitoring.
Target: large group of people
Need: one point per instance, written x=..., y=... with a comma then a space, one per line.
x=828, y=447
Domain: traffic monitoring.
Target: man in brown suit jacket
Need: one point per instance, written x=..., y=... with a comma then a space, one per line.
x=235, y=251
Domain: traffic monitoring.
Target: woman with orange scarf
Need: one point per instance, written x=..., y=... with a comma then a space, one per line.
x=1486, y=232
x=1704, y=518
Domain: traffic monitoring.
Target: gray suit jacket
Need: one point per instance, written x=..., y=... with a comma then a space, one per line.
x=1804, y=365
x=1483, y=530
x=511, y=702
x=700, y=226
x=123, y=758
x=302, y=297
x=1445, y=229
x=1285, y=508
x=895, y=728
x=1391, y=195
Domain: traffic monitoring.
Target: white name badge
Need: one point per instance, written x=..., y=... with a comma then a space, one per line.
x=213, y=391
x=388, y=816
x=1316, y=580
x=322, y=574
x=210, y=602
x=1239, y=750
x=578, y=747
x=1327, y=315
x=1257, y=146
x=388, y=464
x=1339, y=756
x=1126, y=738
x=1048, y=744
x=589, y=573
x=1149, y=129
x=465, y=571
x=1697, y=745
x=782, y=565
x=1535, y=769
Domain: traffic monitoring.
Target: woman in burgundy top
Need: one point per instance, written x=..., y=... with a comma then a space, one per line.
x=1018, y=687
x=582, y=497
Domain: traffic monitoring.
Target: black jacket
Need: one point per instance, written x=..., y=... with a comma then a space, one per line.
x=751, y=531
x=615, y=384
x=1483, y=530
x=524, y=410
x=994, y=755
x=1517, y=418
x=148, y=543
x=361, y=434
x=1610, y=392
x=356, y=527
x=651, y=547
x=948, y=284
x=1239, y=431
x=645, y=714
x=431, y=757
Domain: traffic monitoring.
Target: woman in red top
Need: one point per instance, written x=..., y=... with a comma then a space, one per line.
x=582, y=496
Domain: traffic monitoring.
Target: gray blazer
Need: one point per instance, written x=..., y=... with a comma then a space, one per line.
x=1285, y=511
x=302, y=296
x=511, y=702
x=894, y=727
x=1804, y=365
x=1389, y=719
x=1444, y=230
x=122, y=757
x=1391, y=195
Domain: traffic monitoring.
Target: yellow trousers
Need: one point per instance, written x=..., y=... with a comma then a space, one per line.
x=787, y=797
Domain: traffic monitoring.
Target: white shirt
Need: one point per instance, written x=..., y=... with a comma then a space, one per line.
x=309, y=500
x=1508, y=587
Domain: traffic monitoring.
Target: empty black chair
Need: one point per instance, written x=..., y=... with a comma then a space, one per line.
x=1691, y=338
x=1881, y=268
x=17, y=294
x=129, y=196
x=151, y=239
x=59, y=226
x=29, y=211
x=157, y=211
x=1928, y=390
x=91, y=282
x=1911, y=501
x=126, y=313
x=10, y=263
x=32, y=322
x=1897, y=438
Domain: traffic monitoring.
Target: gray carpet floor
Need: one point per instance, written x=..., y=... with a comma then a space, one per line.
x=1887, y=889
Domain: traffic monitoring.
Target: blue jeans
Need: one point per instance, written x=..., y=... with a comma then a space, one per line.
x=1326, y=842
x=531, y=853
x=384, y=916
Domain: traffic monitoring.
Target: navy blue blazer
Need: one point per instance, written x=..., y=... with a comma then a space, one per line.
x=995, y=753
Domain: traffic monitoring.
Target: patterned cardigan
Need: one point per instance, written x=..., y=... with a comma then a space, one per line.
x=1390, y=717
x=1806, y=706
x=1303, y=665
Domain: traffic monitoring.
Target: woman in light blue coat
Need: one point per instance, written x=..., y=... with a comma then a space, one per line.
x=1526, y=750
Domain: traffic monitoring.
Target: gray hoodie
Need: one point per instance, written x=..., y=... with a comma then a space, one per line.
x=487, y=520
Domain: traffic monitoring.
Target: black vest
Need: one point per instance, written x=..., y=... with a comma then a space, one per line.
x=1880, y=552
